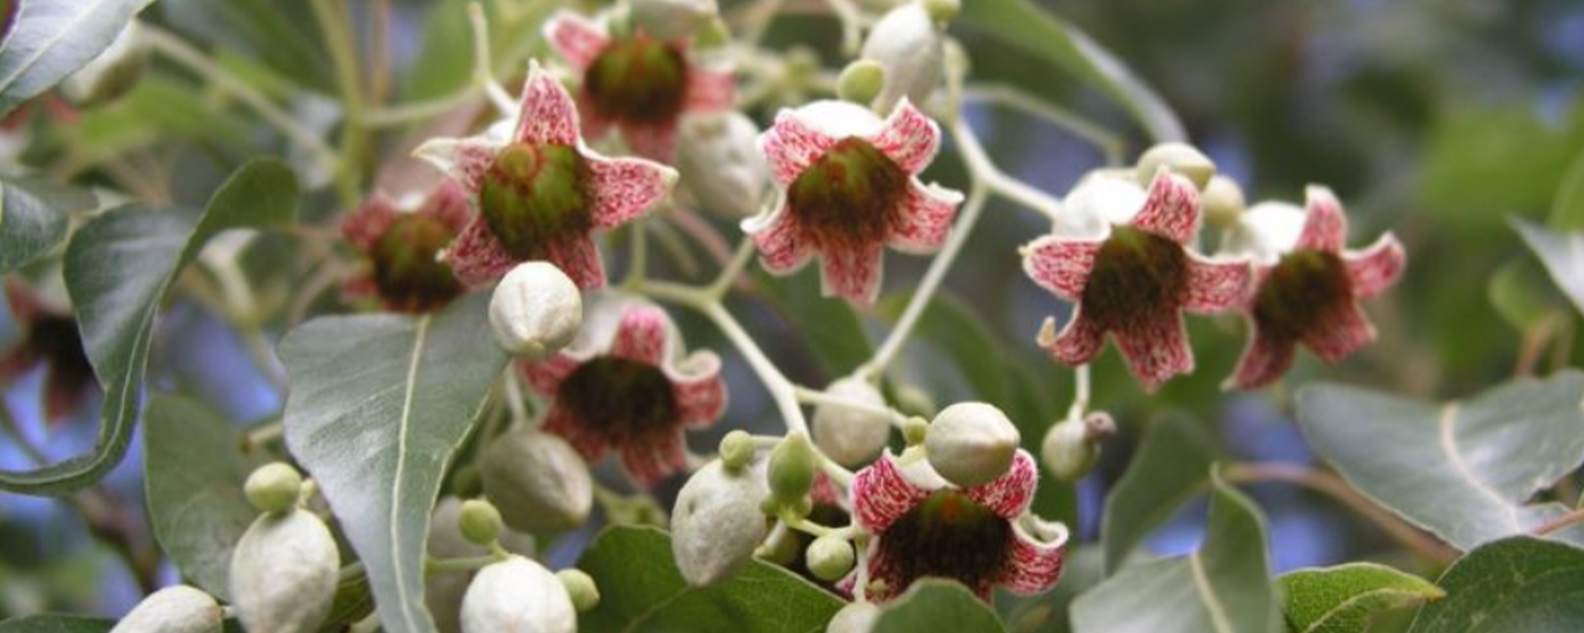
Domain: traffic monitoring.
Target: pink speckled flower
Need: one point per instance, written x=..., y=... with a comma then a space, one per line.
x=49, y=337
x=1309, y=290
x=539, y=191
x=638, y=84
x=625, y=384
x=402, y=245
x=850, y=187
x=981, y=536
x=1132, y=275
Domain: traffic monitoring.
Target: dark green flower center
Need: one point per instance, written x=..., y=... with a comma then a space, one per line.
x=621, y=399
x=949, y=535
x=1304, y=290
x=405, y=271
x=852, y=196
x=638, y=79
x=1136, y=276
x=534, y=195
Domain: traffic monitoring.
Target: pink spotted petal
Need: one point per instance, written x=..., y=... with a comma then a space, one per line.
x=881, y=495
x=1172, y=209
x=909, y=137
x=545, y=376
x=448, y=203
x=1376, y=268
x=783, y=248
x=853, y=273
x=1264, y=361
x=709, y=90
x=1032, y=567
x=579, y=259
x=369, y=223
x=648, y=463
x=589, y=444
x=1009, y=495
x=1059, y=265
x=625, y=188
x=1325, y=227
x=465, y=160
x=1338, y=337
x=641, y=336
x=548, y=114
x=791, y=145
x=825, y=491
x=1217, y=285
x=654, y=142
x=702, y=400
x=1156, y=349
x=926, y=221
x=883, y=569
x=577, y=40
x=477, y=258
x=1077, y=343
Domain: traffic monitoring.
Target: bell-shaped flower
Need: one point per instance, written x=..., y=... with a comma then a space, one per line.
x=402, y=243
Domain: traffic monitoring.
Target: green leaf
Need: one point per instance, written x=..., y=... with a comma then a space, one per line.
x=273, y=31
x=838, y=341
x=193, y=473
x=641, y=591
x=117, y=269
x=1520, y=294
x=56, y=624
x=937, y=605
x=378, y=404
x=1342, y=599
x=49, y=41
x=955, y=329
x=1055, y=41
x=1516, y=585
x=1567, y=211
x=1224, y=587
x=33, y=219
x=1482, y=163
x=1563, y=256
x=1171, y=466
x=1463, y=470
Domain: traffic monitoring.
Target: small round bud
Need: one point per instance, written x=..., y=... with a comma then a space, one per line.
x=520, y=595
x=716, y=524
x=284, y=573
x=719, y=160
x=861, y=81
x=1265, y=232
x=538, y=482
x=971, y=443
x=273, y=487
x=848, y=435
x=792, y=466
x=943, y=11
x=673, y=19
x=1071, y=446
x=915, y=431
x=581, y=588
x=177, y=609
x=1223, y=202
x=535, y=311
x=479, y=522
x=830, y=558
x=908, y=44
x=737, y=450
x=1179, y=158
x=856, y=617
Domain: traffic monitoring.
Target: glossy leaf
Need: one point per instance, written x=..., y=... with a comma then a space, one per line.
x=1463, y=470
x=50, y=40
x=52, y=623
x=1342, y=599
x=1563, y=256
x=117, y=268
x=956, y=330
x=937, y=605
x=1516, y=585
x=641, y=591
x=839, y=343
x=378, y=404
x=1224, y=587
x=33, y=219
x=1170, y=468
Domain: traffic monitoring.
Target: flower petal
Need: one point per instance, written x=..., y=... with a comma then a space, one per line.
x=649, y=462
x=1376, y=268
x=577, y=40
x=926, y=220
x=1341, y=335
x=1156, y=349
x=909, y=137
x=791, y=145
x=882, y=569
x=369, y=222
x=1079, y=342
x=448, y=203
x=1060, y=265
x=709, y=90
x=1264, y=361
x=853, y=273
x=545, y=376
x=783, y=248
x=881, y=495
x=1009, y=495
x=699, y=390
x=477, y=258
x=465, y=160
x=654, y=142
x=1032, y=566
x=1216, y=285
x=1172, y=210
x=1325, y=227
x=547, y=115
x=625, y=188
x=589, y=444
x=642, y=335
x=579, y=259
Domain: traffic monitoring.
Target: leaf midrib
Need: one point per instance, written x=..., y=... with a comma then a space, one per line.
x=49, y=44
x=420, y=334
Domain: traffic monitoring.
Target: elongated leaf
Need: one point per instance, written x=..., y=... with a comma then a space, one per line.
x=56, y=624
x=1516, y=585
x=377, y=406
x=1563, y=256
x=1342, y=599
x=117, y=269
x=52, y=39
x=1463, y=470
x=1567, y=211
x=1170, y=468
x=194, y=469
x=33, y=219
x=1224, y=587
x=641, y=591
x=1055, y=41
x=937, y=605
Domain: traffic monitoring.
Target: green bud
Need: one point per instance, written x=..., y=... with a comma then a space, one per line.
x=1223, y=202
x=792, y=467
x=714, y=35
x=479, y=521
x=1071, y=447
x=274, y=487
x=861, y=81
x=971, y=443
x=942, y=11
x=737, y=450
x=913, y=400
x=581, y=588
x=781, y=548
x=830, y=558
x=1179, y=158
x=915, y=431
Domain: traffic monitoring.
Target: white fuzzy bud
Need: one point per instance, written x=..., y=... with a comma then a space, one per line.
x=284, y=573
x=718, y=157
x=1223, y=202
x=443, y=591
x=535, y=311
x=178, y=609
x=673, y=19
x=1071, y=447
x=1179, y=158
x=850, y=436
x=538, y=481
x=908, y=43
x=1265, y=232
x=856, y=617
x=716, y=524
x=520, y=596
x=971, y=443
x=1103, y=198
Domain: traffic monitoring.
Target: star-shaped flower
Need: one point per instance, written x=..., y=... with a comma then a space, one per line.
x=849, y=187
x=638, y=84
x=50, y=337
x=402, y=245
x=1308, y=286
x=625, y=384
x=539, y=190
x=1130, y=272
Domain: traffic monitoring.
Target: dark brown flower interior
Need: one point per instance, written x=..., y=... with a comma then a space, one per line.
x=949, y=535
x=852, y=196
x=57, y=341
x=638, y=79
x=1306, y=289
x=533, y=195
x=1137, y=275
x=406, y=273
x=620, y=399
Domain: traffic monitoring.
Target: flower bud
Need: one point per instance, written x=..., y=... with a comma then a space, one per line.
x=856, y=617
x=535, y=311
x=1264, y=232
x=716, y=524
x=737, y=450
x=1223, y=202
x=443, y=591
x=1179, y=158
x=479, y=522
x=537, y=481
x=673, y=19
x=178, y=609
x=830, y=558
x=581, y=588
x=792, y=466
x=284, y=573
x=273, y=487
x=851, y=436
x=518, y=595
x=861, y=81
x=971, y=443
x=942, y=11
x=1071, y=446
x=915, y=431
x=907, y=42
x=720, y=163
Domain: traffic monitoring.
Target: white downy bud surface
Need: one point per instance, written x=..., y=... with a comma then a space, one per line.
x=1265, y=232
x=537, y=480
x=716, y=524
x=1178, y=158
x=856, y=617
x=517, y=595
x=443, y=592
x=851, y=436
x=720, y=163
x=284, y=573
x=177, y=609
x=535, y=311
x=673, y=19
x=971, y=443
x=1103, y=198
x=909, y=45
